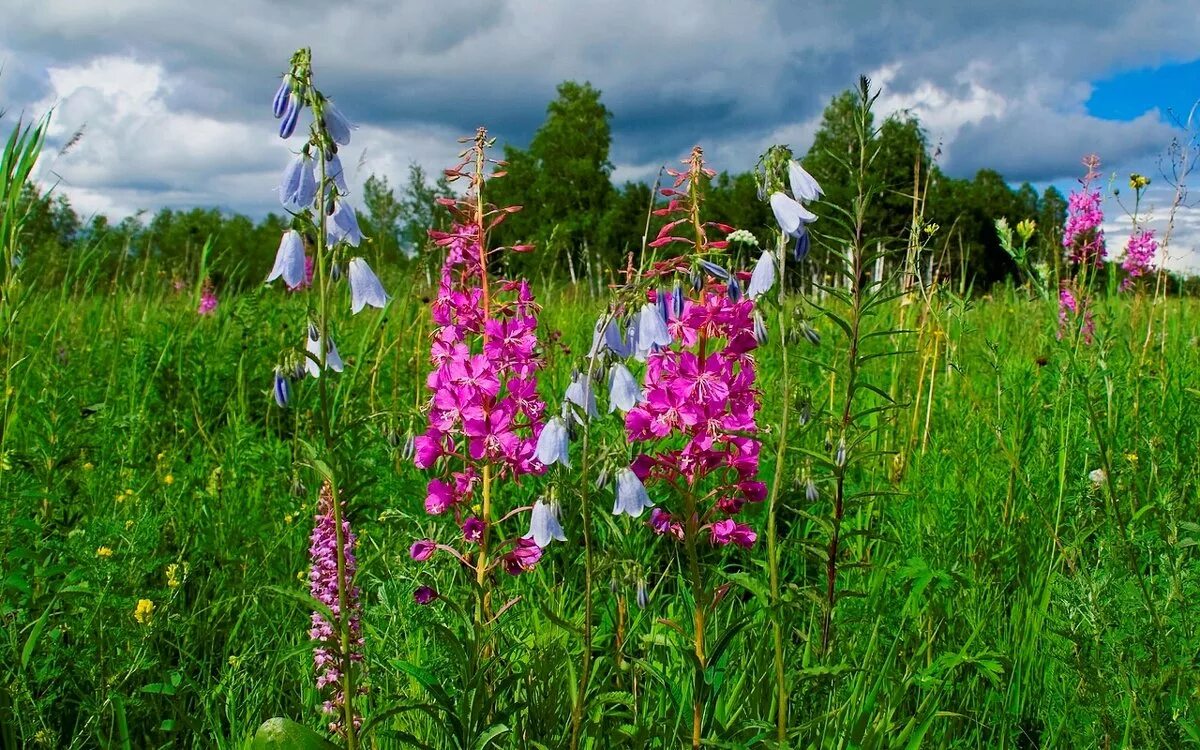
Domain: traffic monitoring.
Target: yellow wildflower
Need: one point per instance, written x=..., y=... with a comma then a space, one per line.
x=89, y=466
x=144, y=611
x=173, y=575
x=129, y=524
x=169, y=479
x=104, y=552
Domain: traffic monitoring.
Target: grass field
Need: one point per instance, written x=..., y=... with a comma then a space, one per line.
x=992, y=592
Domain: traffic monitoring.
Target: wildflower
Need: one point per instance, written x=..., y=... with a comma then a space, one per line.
x=790, y=214
x=282, y=388
x=651, y=330
x=335, y=173
x=298, y=185
x=1139, y=256
x=523, y=557
x=763, y=277
x=365, y=288
x=291, y=114
x=544, y=526
x=714, y=269
x=760, y=329
x=208, y=300
x=342, y=224
x=580, y=393
x=1098, y=477
x=169, y=479
x=173, y=576
x=728, y=531
x=424, y=595
x=422, y=549
x=642, y=597
x=289, y=259
x=631, y=495
x=336, y=123
x=281, y=97
x=810, y=491
x=89, y=466
x=551, y=445
x=312, y=363
x=742, y=236
x=804, y=187
x=472, y=530
x=104, y=552
x=328, y=658
x=624, y=393
x=306, y=282
x=144, y=611
x=1083, y=236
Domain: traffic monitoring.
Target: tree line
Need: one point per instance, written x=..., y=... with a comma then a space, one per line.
x=585, y=228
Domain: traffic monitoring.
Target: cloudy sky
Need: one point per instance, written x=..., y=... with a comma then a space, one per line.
x=174, y=98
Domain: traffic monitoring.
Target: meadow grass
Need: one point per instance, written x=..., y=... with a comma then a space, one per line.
x=992, y=593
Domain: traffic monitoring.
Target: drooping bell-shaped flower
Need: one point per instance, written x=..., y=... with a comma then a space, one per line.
x=790, y=215
x=580, y=393
x=333, y=360
x=677, y=300
x=342, y=224
x=336, y=124
x=281, y=97
x=763, y=277
x=804, y=187
x=552, y=444
x=632, y=497
x=734, y=289
x=336, y=173
x=801, y=246
x=624, y=393
x=291, y=114
x=544, y=526
x=282, y=388
x=289, y=259
x=651, y=330
x=365, y=288
x=298, y=186
x=760, y=329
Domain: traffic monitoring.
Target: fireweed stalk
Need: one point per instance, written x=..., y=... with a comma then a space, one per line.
x=485, y=414
x=1083, y=245
x=777, y=168
x=694, y=432
x=314, y=191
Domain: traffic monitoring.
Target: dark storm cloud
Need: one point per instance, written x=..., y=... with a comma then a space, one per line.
x=999, y=84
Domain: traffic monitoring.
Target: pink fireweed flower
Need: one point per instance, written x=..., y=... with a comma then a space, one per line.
x=483, y=410
x=1139, y=256
x=208, y=299
x=328, y=659
x=697, y=412
x=1083, y=237
x=1074, y=309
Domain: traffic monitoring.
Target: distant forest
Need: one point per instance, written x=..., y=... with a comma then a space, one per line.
x=584, y=227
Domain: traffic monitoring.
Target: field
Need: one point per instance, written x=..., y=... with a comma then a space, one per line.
x=1001, y=597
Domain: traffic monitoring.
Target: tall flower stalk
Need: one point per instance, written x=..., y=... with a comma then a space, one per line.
x=693, y=435
x=485, y=415
x=314, y=191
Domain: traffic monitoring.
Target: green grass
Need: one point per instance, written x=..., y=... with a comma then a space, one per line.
x=1001, y=599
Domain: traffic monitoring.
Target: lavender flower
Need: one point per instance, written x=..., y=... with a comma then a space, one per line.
x=544, y=526
x=333, y=360
x=651, y=330
x=336, y=124
x=632, y=497
x=624, y=393
x=763, y=277
x=552, y=444
x=365, y=288
x=580, y=393
x=281, y=97
x=335, y=172
x=328, y=658
x=282, y=388
x=289, y=259
x=298, y=187
x=790, y=215
x=343, y=225
x=291, y=113
x=804, y=187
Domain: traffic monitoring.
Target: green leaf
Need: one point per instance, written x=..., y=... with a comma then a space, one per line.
x=284, y=734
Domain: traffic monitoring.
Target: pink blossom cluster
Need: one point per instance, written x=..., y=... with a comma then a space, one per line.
x=700, y=393
x=1083, y=237
x=323, y=585
x=485, y=407
x=208, y=299
x=1139, y=256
